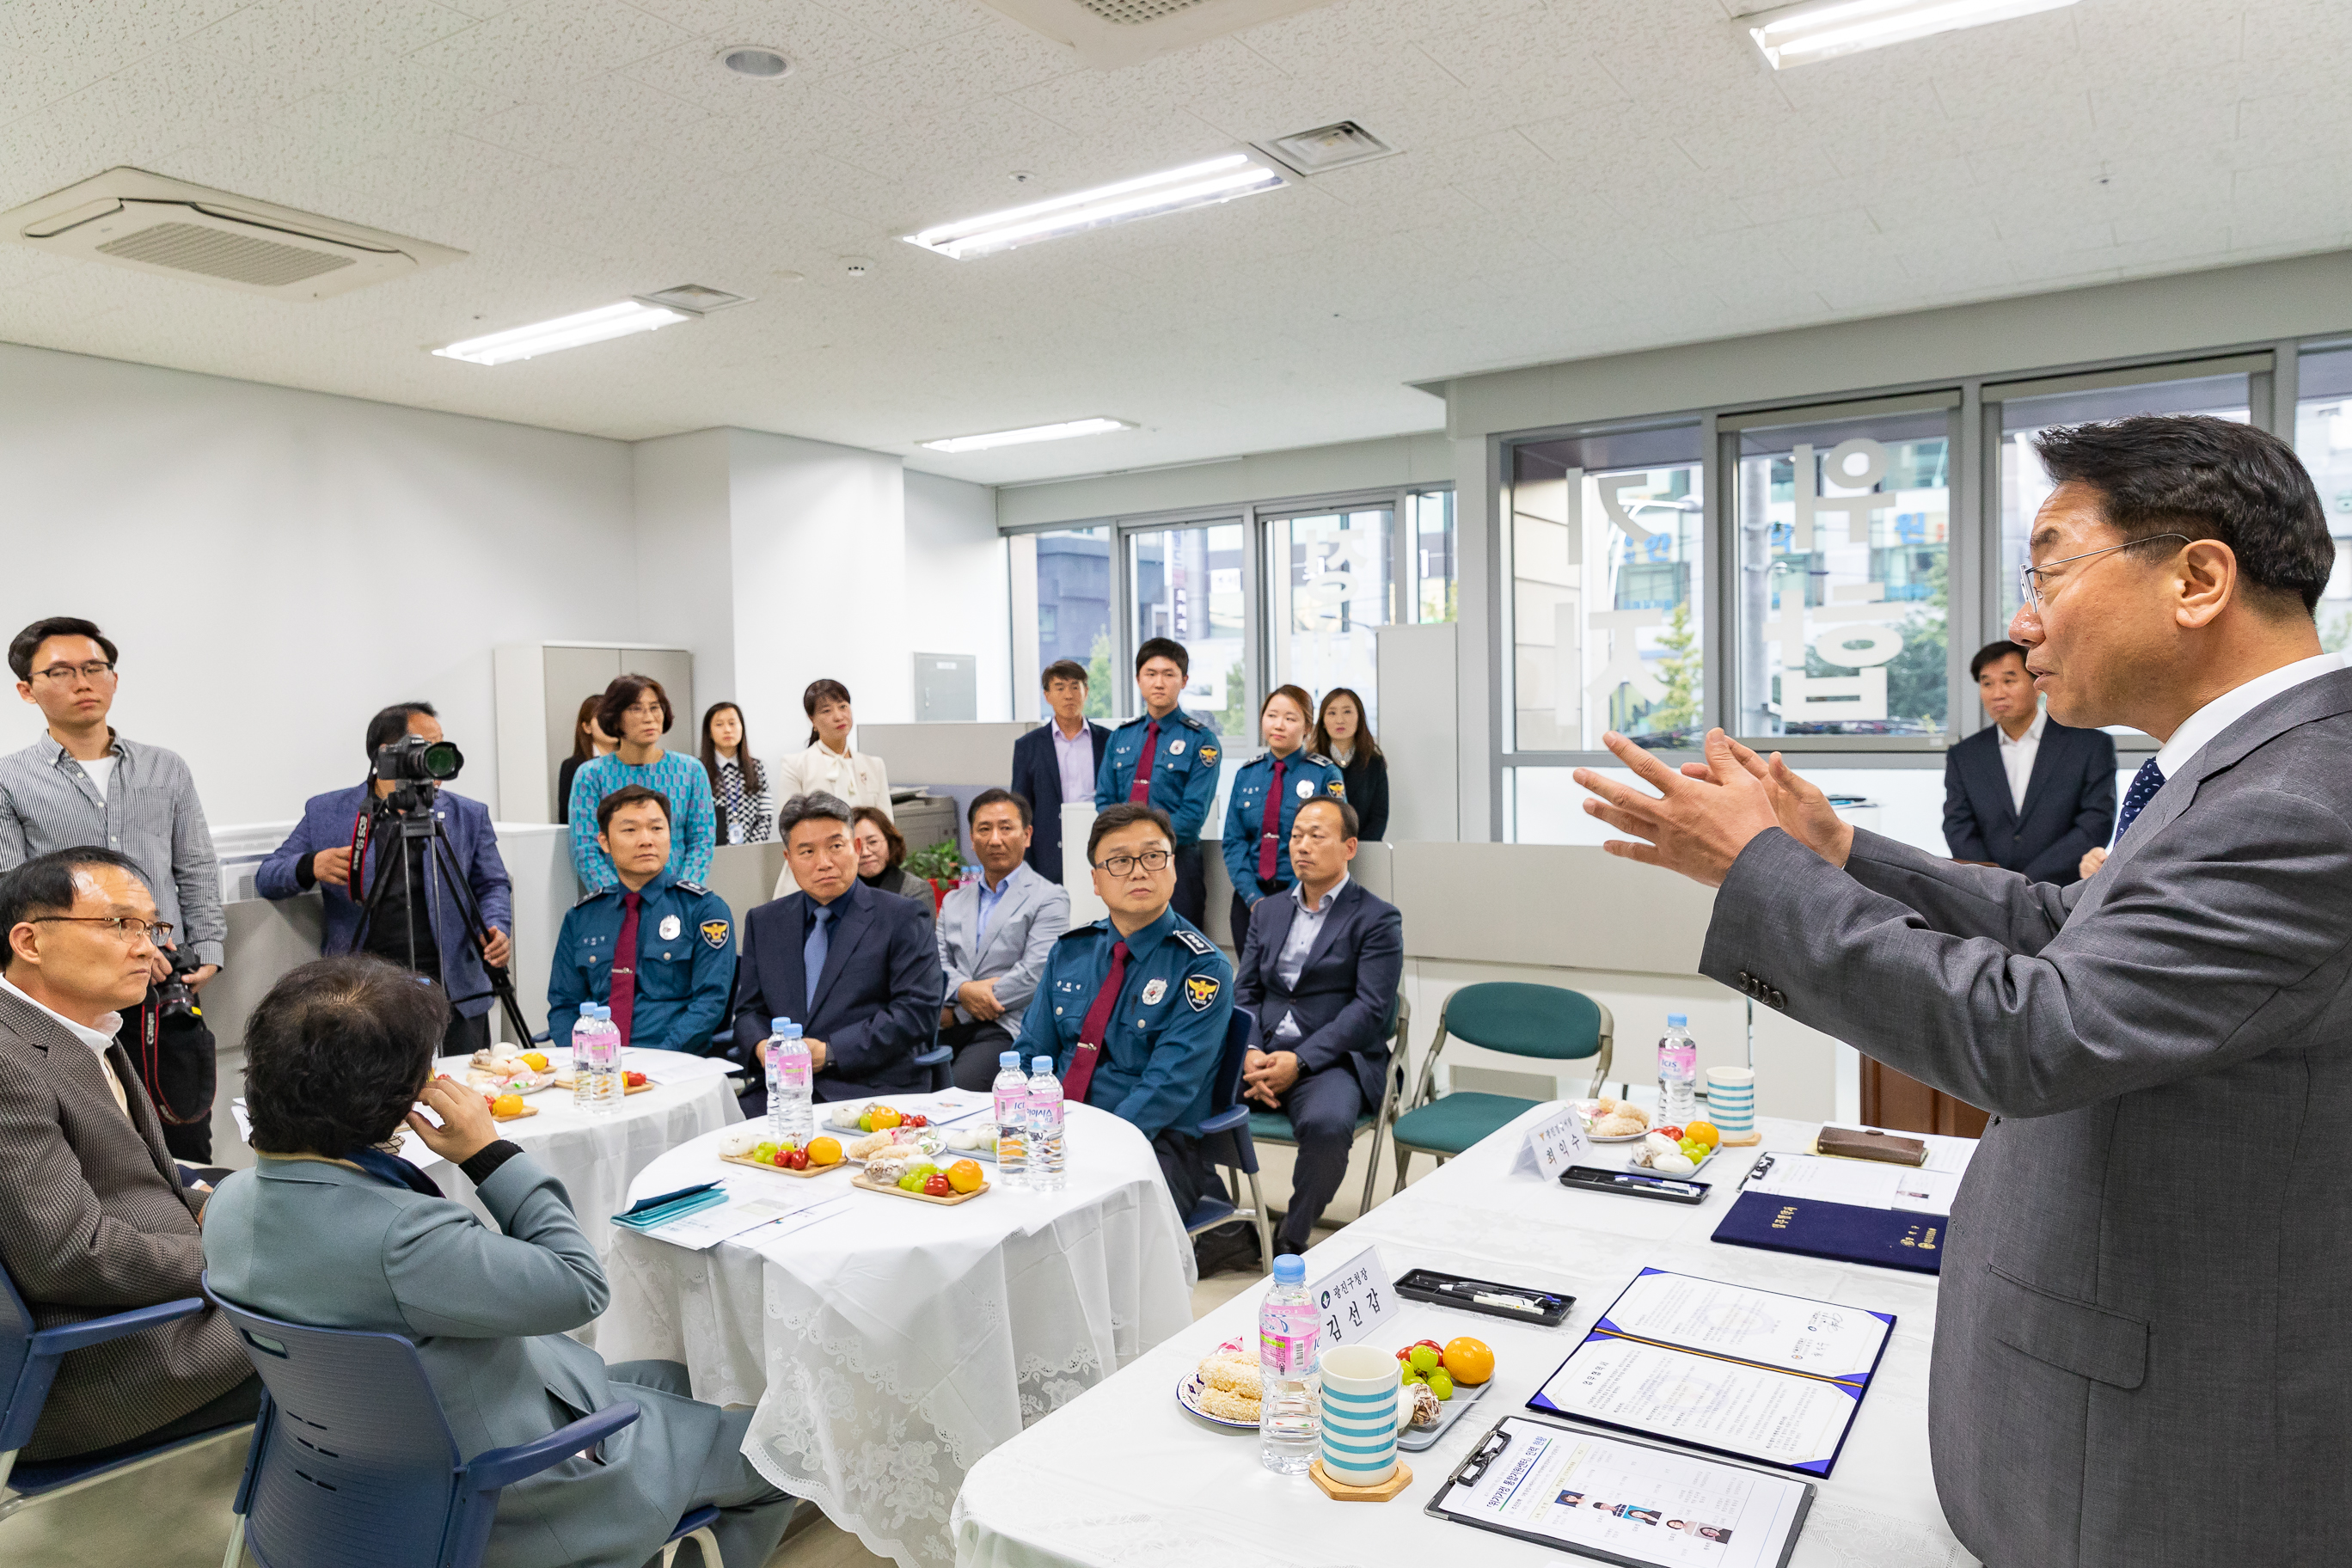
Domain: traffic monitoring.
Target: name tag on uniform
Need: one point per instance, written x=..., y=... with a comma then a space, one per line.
x=670, y=928
x=1154, y=990
x=1175, y=748
x=1306, y=789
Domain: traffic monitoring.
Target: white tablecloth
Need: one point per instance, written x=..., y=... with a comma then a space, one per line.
x=1123, y=1476
x=597, y=1156
x=890, y=1346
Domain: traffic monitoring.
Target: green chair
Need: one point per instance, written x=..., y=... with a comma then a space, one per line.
x=1274, y=1127
x=1549, y=1022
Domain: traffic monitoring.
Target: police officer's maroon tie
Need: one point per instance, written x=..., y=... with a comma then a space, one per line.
x=1268, y=843
x=1097, y=1024
x=625, y=966
x=1140, y=792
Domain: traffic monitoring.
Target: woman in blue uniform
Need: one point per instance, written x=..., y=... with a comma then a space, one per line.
x=1268, y=793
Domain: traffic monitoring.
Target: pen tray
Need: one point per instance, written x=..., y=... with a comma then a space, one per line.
x=1423, y=1285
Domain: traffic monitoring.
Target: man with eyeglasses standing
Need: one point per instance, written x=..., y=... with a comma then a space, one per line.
x=82, y=783
x=2143, y=1304
x=1133, y=1008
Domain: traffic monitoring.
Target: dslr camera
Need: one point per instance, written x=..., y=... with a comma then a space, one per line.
x=175, y=997
x=412, y=759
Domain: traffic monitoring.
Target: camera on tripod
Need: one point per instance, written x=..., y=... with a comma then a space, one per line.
x=412, y=759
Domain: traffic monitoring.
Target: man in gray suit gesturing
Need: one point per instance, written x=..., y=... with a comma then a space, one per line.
x=2140, y=1340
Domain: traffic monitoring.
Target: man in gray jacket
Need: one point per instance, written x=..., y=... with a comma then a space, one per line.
x=994, y=938
x=2140, y=1338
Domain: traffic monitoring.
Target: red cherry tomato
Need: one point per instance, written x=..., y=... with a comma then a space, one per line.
x=937, y=1186
x=915, y=1121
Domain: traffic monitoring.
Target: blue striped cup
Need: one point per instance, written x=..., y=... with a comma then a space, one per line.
x=1731, y=1101
x=1360, y=1415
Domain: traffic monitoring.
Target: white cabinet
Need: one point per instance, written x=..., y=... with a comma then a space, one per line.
x=540, y=687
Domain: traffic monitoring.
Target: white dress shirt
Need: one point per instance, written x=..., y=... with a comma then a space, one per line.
x=1291, y=961
x=98, y=1040
x=2233, y=705
x=2017, y=759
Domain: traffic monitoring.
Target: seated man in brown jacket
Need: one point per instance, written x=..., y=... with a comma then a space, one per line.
x=93, y=1219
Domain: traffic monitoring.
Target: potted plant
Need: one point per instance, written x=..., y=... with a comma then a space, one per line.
x=941, y=866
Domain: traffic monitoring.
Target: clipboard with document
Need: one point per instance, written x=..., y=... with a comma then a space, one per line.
x=1618, y=1500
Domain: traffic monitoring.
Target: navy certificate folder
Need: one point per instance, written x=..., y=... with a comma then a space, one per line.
x=1844, y=1232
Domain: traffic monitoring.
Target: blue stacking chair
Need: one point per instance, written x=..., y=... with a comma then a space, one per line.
x=28, y=1364
x=1546, y=1022
x=1225, y=1140
x=1274, y=1126
x=352, y=1461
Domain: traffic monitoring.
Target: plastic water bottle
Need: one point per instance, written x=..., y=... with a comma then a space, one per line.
x=1677, y=1071
x=1045, y=1151
x=1011, y=1091
x=596, y=1060
x=1287, y=1328
x=790, y=1116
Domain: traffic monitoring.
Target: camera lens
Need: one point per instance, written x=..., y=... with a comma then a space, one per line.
x=440, y=761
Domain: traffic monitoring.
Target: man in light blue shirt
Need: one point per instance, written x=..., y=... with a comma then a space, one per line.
x=994, y=936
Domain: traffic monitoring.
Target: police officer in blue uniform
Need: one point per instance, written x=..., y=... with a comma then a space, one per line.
x=658, y=950
x=1267, y=792
x=1133, y=1008
x=1177, y=754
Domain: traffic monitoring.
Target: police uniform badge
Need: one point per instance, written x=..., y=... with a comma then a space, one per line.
x=1208, y=756
x=1201, y=990
x=670, y=928
x=1153, y=992
x=1339, y=790
x=1175, y=748
x=715, y=932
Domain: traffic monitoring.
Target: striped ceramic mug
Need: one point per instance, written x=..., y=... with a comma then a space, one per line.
x=1731, y=1101
x=1360, y=1415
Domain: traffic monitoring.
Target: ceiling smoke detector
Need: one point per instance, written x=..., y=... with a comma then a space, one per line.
x=129, y=217
x=1326, y=148
x=753, y=60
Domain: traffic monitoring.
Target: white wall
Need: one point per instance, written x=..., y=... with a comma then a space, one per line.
x=276, y=565
x=684, y=556
x=957, y=584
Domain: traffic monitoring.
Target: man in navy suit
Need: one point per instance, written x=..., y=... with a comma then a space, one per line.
x=2026, y=793
x=1318, y=973
x=318, y=854
x=857, y=970
x=1057, y=762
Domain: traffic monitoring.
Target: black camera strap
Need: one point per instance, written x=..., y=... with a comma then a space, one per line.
x=355, y=879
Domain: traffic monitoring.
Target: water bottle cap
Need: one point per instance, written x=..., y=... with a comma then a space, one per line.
x=1009, y=1059
x=778, y=1026
x=1289, y=1270
x=1677, y=1020
x=592, y=1012
x=1041, y=1064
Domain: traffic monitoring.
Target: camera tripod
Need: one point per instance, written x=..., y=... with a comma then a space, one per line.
x=410, y=806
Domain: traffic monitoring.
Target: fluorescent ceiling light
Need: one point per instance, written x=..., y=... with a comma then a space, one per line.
x=1023, y=436
x=564, y=332
x=1198, y=185
x=1825, y=29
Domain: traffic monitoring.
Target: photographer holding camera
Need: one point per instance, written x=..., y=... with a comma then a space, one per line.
x=418, y=921
x=82, y=785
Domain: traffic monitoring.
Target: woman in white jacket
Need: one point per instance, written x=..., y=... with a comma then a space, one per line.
x=858, y=778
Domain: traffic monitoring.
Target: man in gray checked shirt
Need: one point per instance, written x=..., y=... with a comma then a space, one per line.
x=82, y=783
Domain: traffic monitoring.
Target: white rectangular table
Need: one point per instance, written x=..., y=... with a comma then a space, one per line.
x=1122, y=1474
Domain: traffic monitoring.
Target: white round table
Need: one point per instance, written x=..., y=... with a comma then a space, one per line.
x=597, y=1156
x=889, y=1346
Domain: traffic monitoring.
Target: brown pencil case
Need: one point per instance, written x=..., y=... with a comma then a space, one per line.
x=1871, y=1145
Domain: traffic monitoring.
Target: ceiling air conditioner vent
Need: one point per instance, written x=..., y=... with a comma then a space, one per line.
x=127, y=217
x=1109, y=34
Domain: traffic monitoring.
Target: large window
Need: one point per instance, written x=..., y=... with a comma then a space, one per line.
x=1061, y=609
x=1330, y=581
x=2323, y=438
x=1431, y=542
x=2027, y=409
x=1608, y=589
x=1844, y=571
x=1187, y=584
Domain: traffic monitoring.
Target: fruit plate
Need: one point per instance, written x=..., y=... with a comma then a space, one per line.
x=1632, y=1164
x=1413, y=1439
x=898, y=1192
x=1188, y=1389
x=780, y=1169
x=565, y=1080
x=521, y=1083
x=1584, y=1109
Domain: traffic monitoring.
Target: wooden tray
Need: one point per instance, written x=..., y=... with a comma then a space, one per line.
x=782, y=1169
x=897, y=1191
x=570, y=1080
x=518, y=1116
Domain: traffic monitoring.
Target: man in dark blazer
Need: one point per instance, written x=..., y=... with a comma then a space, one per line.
x=2140, y=1323
x=857, y=970
x=2026, y=793
x=94, y=1219
x=1319, y=973
x=1047, y=761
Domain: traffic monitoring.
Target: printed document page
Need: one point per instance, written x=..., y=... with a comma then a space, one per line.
x=1862, y=1183
x=1819, y=1338
x=1685, y=1398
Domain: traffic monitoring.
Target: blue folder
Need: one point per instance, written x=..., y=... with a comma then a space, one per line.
x=1844, y=1232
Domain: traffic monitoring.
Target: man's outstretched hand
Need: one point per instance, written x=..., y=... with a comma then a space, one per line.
x=1701, y=818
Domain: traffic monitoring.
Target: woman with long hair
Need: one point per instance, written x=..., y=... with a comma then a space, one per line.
x=588, y=739
x=1267, y=792
x=737, y=783
x=882, y=858
x=1344, y=734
